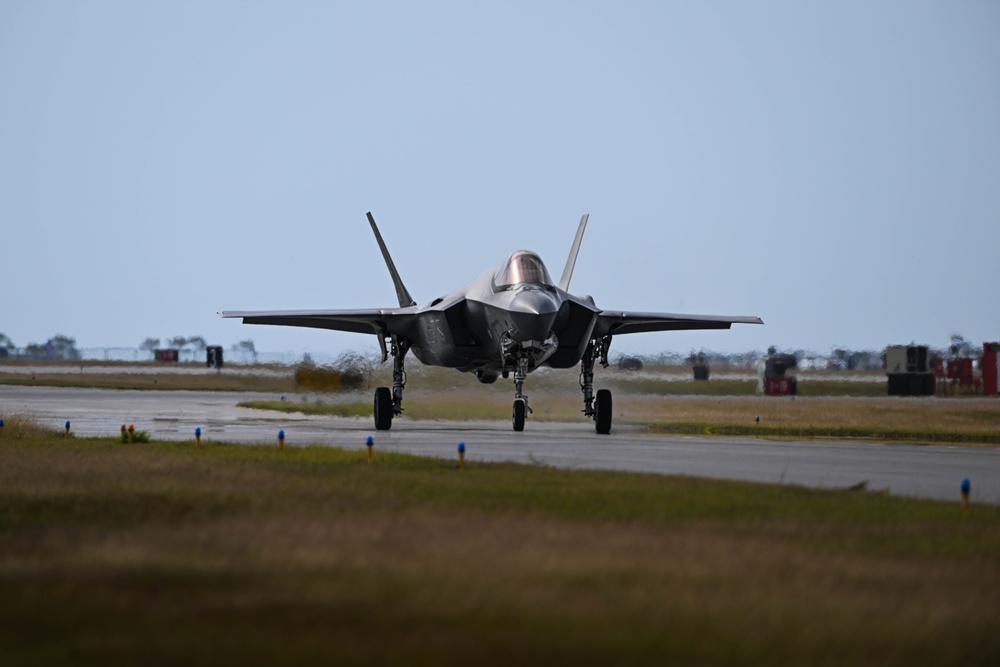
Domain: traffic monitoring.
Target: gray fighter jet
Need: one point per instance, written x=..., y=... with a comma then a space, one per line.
x=509, y=321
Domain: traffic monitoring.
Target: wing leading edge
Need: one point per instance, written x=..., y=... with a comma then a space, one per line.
x=617, y=322
x=368, y=321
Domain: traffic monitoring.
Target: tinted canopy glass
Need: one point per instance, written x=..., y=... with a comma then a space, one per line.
x=521, y=267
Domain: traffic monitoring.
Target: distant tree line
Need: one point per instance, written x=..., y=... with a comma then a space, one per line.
x=191, y=347
x=64, y=348
x=58, y=347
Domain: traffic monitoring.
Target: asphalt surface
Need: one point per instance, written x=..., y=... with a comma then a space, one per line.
x=911, y=470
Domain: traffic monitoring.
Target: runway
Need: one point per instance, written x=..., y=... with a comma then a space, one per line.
x=910, y=470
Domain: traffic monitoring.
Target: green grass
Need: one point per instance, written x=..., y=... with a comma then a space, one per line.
x=872, y=432
x=811, y=387
x=725, y=387
x=658, y=387
x=168, y=554
x=161, y=381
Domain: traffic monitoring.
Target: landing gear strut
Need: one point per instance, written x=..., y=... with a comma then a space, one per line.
x=521, y=409
x=389, y=404
x=600, y=411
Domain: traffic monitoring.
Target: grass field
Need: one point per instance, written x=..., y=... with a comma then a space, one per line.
x=48, y=374
x=168, y=554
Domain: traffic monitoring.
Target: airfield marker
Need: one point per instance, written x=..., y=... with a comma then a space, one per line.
x=67, y=429
x=461, y=455
x=131, y=432
x=966, y=487
x=369, y=442
x=281, y=439
x=1, y=426
x=197, y=436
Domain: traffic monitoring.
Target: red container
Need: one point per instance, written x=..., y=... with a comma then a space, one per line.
x=960, y=372
x=991, y=368
x=165, y=355
x=779, y=386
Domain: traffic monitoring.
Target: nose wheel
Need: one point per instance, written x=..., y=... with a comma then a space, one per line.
x=519, y=413
x=521, y=409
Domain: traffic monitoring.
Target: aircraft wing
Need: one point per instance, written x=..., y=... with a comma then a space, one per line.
x=370, y=321
x=616, y=322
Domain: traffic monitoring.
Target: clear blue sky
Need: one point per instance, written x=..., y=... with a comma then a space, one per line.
x=831, y=167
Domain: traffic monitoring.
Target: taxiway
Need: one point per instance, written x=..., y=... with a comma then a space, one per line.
x=912, y=470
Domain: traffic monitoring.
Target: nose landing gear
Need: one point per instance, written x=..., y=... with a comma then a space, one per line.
x=521, y=409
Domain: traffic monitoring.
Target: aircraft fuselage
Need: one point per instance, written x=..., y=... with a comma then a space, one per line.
x=479, y=328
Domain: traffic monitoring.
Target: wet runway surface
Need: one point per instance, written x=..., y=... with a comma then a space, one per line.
x=912, y=470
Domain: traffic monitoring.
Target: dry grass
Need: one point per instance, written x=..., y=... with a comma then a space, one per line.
x=164, y=554
x=16, y=427
x=901, y=414
x=162, y=381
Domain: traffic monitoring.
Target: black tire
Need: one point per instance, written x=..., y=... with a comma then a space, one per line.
x=383, y=409
x=518, y=414
x=602, y=411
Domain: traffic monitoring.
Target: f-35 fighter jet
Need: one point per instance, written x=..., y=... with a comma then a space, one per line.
x=509, y=321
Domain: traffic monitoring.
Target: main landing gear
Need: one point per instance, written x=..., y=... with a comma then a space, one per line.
x=599, y=409
x=389, y=404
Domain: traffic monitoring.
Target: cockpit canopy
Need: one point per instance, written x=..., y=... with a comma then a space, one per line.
x=522, y=267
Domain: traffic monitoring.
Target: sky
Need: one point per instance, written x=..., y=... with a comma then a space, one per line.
x=833, y=168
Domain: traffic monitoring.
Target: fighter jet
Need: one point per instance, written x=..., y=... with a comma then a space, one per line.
x=510, y=320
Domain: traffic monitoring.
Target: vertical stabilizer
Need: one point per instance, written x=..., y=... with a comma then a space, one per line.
x=573, y=252
x=401, y=292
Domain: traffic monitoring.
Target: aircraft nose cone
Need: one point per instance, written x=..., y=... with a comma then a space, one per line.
x=533, y=313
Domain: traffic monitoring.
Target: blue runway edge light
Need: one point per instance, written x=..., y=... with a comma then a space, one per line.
x=197, y=431
x=281, y=434
x=461, y=448
x=966, y=485
x=369, y=441
x=67, y=423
